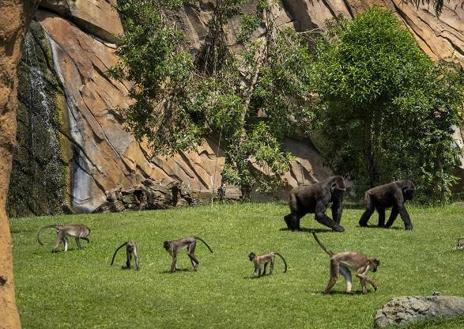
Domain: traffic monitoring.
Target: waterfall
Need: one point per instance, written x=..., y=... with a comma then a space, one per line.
x=37, y=88
x=81, y=180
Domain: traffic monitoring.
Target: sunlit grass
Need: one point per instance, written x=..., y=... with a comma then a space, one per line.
x=78, y=288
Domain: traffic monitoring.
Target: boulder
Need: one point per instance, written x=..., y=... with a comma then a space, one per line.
x=405, y=310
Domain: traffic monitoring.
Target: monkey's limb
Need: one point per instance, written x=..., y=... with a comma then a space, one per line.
x=60, y=238
x=78, y=243
x=347, y=275
x=334, y=269
x=198, y=238
x=191, y=253
x=265, y=266
x=257, y=271
x=137, y=265
x=65, y=241
x=362, y=275
x=116, y=251
x=128, y=259
x=174, y=260
x=369, y=210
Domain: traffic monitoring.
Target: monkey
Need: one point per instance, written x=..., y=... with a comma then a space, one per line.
x=315, y=199
x=343, y=262
x=131, y=250
x=78, y=231
x=173, y=246
x=266, y=259
x=394, y=195
x=460, y=244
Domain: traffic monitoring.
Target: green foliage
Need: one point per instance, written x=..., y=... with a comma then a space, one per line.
x=152, y=57
x=79, y=289
x=437, y=4
x=386, y=111
x=249, y=99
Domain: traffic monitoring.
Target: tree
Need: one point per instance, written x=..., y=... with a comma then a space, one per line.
x=386, y=110
x=249, y=99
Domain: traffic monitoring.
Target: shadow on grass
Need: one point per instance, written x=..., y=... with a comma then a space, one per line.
x=381, y=228
x=310, y=230
x=177, y=270
x=254, y=277
x=340, y=292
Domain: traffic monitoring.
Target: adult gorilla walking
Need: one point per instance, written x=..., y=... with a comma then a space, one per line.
x=315, y=199
x=394, y=195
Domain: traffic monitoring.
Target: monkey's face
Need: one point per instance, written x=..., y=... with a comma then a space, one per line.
x=166, y=245
x=251, y=256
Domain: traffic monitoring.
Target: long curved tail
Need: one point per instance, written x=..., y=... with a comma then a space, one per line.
x=43, y=228
x=283, y=259
x=198, y=238
x=328, y=252
x=116, y=251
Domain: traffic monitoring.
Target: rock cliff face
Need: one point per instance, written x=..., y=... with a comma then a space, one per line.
x=15, y=17
x=74, y=153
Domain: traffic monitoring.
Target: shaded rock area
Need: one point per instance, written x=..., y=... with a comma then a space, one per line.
x=79, y=119
x=40, y=178
x=405, y=310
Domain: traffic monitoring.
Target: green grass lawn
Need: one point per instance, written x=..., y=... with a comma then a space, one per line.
x=78, y=288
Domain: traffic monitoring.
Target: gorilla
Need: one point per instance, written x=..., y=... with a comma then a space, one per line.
x=394, y=195
x=315, y=199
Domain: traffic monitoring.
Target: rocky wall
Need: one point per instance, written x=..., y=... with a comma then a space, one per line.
x=40, y=179
x=100, y=166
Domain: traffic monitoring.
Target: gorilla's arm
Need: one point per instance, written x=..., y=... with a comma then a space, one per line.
x=322, y=218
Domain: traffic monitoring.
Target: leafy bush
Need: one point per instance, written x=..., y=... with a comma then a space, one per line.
x=387, y=111
x=249, y=99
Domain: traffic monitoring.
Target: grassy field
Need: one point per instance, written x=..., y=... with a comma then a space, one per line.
x=78, y=288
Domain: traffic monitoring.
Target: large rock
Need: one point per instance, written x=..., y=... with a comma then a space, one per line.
x=440, y=37
x=97, y=17
x=404, y=310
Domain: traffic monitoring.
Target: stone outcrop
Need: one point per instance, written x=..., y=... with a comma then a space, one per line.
x=98, y=155
x=402, y=311
x=96, y=17
x=440, y=37
x=15, y=18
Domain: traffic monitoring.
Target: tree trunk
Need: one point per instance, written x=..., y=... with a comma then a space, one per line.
x=15, y=18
